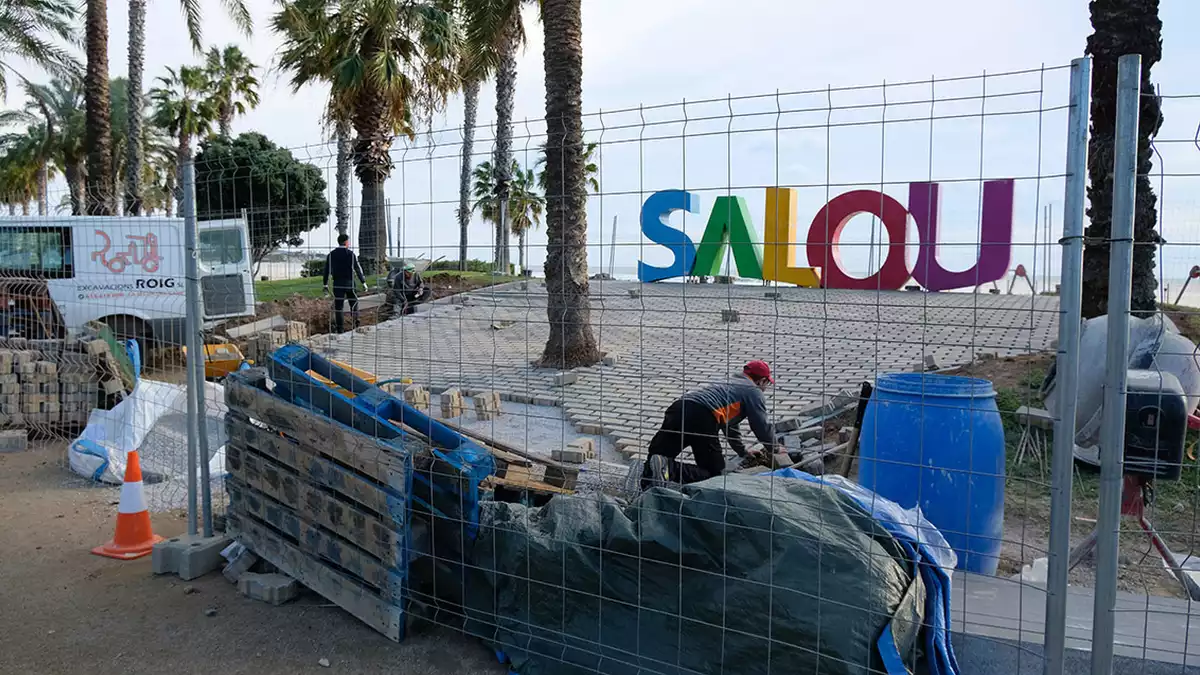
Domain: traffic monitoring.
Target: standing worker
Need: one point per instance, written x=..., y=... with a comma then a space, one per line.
x=695, y=419
x=342, y=265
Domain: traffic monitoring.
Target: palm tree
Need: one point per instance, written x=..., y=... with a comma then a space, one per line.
x=137, y=58
x=183, y=108
x=18, y=177
x=36, y=31
x=470, y=112
x=344, y=135
x=60, y=104
x=99, y=189
x=232, y=84
x=495, y=33
x=389, y=67
x=1121, y=27
x=33, y=150
x=571, y=342
x=525, y=205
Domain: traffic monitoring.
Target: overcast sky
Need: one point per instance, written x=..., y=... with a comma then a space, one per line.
x=655, y=52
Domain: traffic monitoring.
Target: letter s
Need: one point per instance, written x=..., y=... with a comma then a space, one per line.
x=655, y=211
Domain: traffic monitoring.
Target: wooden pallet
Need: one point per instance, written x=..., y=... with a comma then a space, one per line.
x=324, y=503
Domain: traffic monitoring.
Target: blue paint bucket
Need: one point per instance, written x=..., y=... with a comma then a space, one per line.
x=937, y=441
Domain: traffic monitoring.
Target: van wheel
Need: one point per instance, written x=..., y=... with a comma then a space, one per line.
x=132, y=328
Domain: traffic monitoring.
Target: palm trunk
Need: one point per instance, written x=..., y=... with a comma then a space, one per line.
x=344, y=136
x=25, y=208
x=372, y=233
x=521, y=251
x=373, y=165
x=169, y=197
x=98, y=126
x=571, y=342
x=12, y=209
x=43, y=191
x=133, y=140
x=75, y=184
x=506, y=86
x=225, y=119
x=1121, y=27
x=470, y=112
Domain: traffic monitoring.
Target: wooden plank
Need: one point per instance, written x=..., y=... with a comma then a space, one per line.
x=383, y=539
x=337, y=587
x=315, y=541
x=372, y=456
x=378, y=498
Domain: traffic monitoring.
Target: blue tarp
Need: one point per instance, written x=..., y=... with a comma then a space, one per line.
x=927, y=557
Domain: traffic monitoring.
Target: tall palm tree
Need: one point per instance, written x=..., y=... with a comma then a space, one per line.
x=34, y=150
x=232, y=84
x=98, y=194
x=1121, y=27
x=571, y=342
x=183, y=108
x=18, y=178
x=38, y=32
x=470, y=113
x=389, y=67
x=344, y=135
x=236, y=9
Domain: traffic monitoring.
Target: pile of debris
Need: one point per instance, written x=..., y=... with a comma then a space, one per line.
x=55, y=384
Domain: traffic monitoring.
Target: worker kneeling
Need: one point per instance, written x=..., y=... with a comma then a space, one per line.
x=694, y=420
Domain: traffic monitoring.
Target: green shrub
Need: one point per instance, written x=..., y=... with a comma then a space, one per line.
x=313, y=268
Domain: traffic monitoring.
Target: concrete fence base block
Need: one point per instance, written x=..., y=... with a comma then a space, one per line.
x=190, y=555
x=275, y=589
x=239, y=565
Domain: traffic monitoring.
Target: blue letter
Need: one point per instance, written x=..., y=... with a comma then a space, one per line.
x=655, y=211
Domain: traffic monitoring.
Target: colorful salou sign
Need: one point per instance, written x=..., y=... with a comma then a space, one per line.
x=774, y=257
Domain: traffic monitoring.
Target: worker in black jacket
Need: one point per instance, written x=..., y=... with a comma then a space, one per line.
x=342, y=265
x=697, y=418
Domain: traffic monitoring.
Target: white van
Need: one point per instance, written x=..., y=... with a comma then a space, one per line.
x=129, y=271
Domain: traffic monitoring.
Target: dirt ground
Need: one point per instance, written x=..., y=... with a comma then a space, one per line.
x=67, y=611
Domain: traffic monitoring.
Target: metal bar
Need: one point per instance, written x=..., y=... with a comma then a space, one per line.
x=1112, y=432
x=195, y=344
x=195, y=354
x=1067, y=366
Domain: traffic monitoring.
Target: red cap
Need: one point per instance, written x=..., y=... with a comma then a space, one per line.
x=758, y=369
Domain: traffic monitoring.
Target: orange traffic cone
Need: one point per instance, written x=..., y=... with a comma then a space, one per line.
x=134, y=537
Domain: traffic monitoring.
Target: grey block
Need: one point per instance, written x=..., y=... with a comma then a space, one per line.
x=240, y=565
x=275, y=589
x=190, y=555
x=563, y=379
x=14, y=440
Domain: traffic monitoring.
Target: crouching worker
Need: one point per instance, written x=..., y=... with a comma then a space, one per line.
x=697, y=418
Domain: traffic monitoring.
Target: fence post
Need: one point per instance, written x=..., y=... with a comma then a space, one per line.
x=197, y=428
x=1067, y=366
x=1112, y=433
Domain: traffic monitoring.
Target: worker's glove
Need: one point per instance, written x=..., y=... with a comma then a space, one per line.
x=324, y=291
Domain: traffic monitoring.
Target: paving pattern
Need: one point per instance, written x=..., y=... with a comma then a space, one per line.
x=668, y=338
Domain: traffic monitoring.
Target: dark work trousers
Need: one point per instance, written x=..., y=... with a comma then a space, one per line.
x=340, y=295
x=688, y=424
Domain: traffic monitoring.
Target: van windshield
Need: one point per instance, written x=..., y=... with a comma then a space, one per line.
x=221, y=247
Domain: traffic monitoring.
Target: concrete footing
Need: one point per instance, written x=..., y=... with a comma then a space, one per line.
x=190, y=555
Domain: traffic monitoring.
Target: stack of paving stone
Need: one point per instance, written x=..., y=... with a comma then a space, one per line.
x=52, y=383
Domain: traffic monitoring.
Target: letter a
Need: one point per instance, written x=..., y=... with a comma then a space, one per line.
x=779, y=261
x=655, y=211
x=729, y=221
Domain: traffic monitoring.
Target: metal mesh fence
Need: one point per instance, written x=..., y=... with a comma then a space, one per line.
x=399, y=448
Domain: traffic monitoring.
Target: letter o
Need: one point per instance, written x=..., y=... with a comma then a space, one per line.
x=824, y=251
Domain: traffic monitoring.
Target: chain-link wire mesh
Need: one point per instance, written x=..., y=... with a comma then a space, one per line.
x=514, y=501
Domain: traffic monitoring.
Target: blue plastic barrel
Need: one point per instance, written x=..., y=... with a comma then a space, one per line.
x=938, y=441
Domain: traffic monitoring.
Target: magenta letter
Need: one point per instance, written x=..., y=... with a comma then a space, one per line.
x=995, y=237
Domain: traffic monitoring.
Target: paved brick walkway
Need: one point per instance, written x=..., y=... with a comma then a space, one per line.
x=672, y=337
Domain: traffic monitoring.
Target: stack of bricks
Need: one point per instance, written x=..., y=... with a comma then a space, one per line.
x=49, y=383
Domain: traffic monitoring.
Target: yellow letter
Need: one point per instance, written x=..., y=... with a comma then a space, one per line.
x=779, y=261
